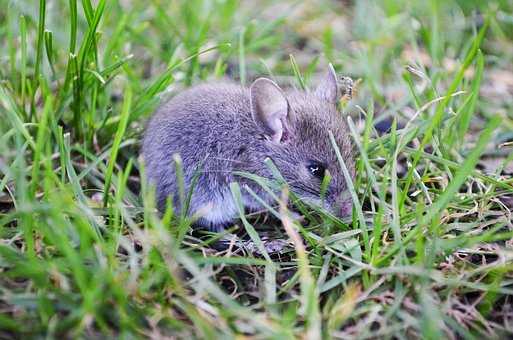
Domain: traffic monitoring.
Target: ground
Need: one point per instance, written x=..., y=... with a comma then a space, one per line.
x=428, y=253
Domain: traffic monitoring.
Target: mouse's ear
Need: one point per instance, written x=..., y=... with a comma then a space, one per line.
x=269, y=107
x=328, y=88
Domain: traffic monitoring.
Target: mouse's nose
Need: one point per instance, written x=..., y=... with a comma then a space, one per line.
x=343, y=206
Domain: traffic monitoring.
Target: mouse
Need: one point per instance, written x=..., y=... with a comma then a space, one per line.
x=220, y=130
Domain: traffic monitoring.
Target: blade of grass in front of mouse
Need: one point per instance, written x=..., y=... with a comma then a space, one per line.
x=303, y=209
x=296, y=201
x=237, y=197
x=125, y=114
x=383, y=206
x=267, y=206
x=309, y=290
x=356, y=201
x=115, y=211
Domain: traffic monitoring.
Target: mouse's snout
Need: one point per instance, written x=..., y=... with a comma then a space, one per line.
x=343, y=205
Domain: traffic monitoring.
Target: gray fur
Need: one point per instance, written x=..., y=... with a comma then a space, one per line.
x=211, y=126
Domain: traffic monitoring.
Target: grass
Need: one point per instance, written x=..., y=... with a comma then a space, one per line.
x=427, y=254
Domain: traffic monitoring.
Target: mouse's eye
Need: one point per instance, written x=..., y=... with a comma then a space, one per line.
x=317, y=169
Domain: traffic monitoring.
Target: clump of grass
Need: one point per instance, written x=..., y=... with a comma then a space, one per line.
x=427, y=253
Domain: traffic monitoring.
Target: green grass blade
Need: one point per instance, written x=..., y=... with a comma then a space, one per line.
x=125, y=114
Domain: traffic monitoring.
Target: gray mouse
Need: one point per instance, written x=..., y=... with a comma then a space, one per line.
x=221, y=129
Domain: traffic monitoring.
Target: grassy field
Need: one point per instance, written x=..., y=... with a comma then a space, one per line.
x=429, y=251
